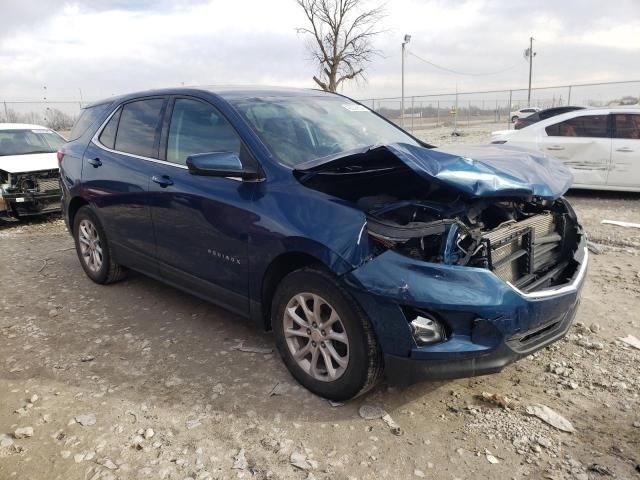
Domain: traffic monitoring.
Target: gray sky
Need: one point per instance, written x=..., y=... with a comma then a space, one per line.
x=114, y=46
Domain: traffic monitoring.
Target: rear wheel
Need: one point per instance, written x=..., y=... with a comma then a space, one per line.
x=93, y=249
x=514, y=119
x=325, y=339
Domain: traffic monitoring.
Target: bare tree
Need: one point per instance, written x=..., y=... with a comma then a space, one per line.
x=342, y=32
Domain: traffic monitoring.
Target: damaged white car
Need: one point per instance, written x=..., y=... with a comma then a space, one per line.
x=29, y=176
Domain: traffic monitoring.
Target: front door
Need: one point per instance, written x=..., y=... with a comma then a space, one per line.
x=201, y=222
x=625, y=151
x=583, y=143
x=115, y=175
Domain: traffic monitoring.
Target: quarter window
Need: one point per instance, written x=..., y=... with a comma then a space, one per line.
x=86, y=119
x=627, y=126
x=586, y=126
x=108, y=135
x=138, y=126
x=197, y=127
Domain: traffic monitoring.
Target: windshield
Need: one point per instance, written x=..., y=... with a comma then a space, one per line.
x=301, y=129
x=24, y=142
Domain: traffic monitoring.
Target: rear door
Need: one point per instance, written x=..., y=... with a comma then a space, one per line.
x=116, y=174
x=201, y=222
x=625, y=153
x=583, y=143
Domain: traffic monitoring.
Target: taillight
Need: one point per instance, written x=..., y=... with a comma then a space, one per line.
x=519, y=124
x=60, y=157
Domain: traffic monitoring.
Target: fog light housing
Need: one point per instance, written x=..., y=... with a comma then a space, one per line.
x=427, y=330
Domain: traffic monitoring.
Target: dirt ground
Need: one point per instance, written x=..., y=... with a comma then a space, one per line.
x=137, y=380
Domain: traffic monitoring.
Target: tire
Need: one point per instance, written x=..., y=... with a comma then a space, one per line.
x=348, y=342
x=514, y=119
x=93, y=248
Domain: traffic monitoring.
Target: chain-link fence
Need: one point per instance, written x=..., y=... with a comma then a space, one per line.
x=489, y=109
x=493, y=108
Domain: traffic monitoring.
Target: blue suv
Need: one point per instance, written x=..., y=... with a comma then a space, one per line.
x=361, y=247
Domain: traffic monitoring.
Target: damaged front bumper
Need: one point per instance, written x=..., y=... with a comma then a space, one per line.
x=15, y=205
x=489, y=323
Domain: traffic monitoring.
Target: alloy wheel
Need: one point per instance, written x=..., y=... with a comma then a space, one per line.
x=90, y=246
x=316, y=337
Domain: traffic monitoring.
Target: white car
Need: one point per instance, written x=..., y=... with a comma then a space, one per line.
x=523, y=113
x=600, y=145
x=29, y=176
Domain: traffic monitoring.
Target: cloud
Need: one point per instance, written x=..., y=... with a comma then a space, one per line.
x=114, y=46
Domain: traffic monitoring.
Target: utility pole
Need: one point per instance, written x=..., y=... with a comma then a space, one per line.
x=407, y=39
x=529, y=53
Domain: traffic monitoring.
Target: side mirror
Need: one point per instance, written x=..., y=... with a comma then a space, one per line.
x=219, y=164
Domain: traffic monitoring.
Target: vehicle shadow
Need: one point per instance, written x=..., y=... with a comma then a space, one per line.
x=160, y=345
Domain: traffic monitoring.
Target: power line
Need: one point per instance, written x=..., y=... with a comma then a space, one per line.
x=440, y=67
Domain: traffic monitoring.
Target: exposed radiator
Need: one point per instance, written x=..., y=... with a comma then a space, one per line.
x=521, y=249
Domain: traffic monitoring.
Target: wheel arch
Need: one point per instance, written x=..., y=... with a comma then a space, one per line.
x=280, y=267
x=74, y=205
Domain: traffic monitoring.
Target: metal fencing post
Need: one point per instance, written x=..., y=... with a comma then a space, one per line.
x=569, y=96
x=6, y=113
x=509, y=110
x=469, y=115
x=413, y=113
x=438, y=114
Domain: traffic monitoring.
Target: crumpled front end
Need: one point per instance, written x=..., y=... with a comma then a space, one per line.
x=473, y=262
x=30, y=193
x=484, y=323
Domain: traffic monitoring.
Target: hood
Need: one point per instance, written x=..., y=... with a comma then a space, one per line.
x=475, y=170
x=29, y=163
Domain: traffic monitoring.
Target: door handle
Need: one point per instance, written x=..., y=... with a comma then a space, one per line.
x=555, y=147
x=96, y=162
x=162, y=180
x=624, y=149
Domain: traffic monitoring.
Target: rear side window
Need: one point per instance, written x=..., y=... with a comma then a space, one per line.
x=108, y=135
x=627, y=126
x=587, y=126
x=86, y=119
x=197, y=127
x=138, y=126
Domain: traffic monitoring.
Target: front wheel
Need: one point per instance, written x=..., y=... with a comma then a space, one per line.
x=93, y=249
x=325, y=339
x=514, y=119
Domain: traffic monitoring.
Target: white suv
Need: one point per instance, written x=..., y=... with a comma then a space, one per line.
x=523, y=113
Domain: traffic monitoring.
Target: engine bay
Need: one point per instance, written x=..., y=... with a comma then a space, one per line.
x=527, y=241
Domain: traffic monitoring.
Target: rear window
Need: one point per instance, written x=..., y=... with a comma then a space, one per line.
x=627, y=126
x=138, y=127
x=86, y=119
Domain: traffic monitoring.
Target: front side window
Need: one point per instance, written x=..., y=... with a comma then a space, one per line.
x=28, y=141
x=138, y=126
x=627, y=126
x=197, y=127
x=586, y=126
x=300, y=129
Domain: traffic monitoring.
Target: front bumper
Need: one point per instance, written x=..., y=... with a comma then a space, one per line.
x=17, y=205
x=490, y=323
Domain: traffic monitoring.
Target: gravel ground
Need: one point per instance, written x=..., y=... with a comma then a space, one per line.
x=138, y=380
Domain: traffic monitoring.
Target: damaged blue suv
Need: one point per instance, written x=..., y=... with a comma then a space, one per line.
x=361, y=247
